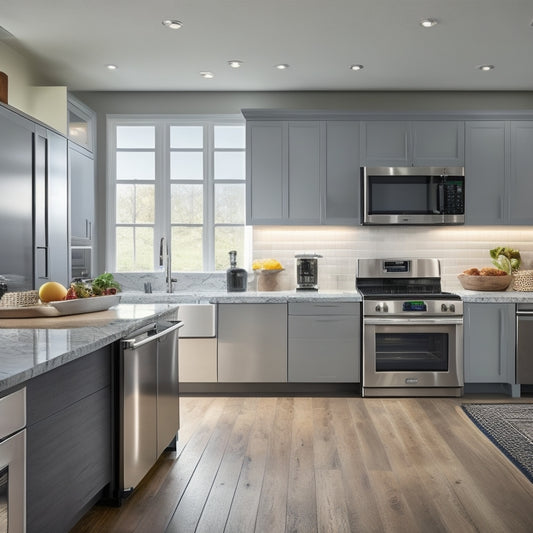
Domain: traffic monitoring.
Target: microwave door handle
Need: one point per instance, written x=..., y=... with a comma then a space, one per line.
x=434, y=197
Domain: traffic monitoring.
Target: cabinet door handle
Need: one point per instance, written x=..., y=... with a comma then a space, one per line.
x=502, y=347
x=45, y=274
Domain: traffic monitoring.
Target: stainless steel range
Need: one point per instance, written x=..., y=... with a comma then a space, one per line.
x=412, y=331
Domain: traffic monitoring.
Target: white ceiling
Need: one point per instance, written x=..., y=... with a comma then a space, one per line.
x=73, y=40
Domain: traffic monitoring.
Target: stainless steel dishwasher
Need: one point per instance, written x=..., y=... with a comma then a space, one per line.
x=149, y=399
x=524, y=344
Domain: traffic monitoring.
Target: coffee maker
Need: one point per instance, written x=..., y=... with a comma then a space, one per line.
x=307, y=272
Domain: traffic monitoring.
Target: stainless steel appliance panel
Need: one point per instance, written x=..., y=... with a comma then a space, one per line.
x=168, y=406
x=13, y=463
x=139, y=407
x=16, y=218
x=524, y=344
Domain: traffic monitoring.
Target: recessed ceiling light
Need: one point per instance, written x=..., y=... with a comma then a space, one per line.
x=428, y=23
x=486, y=68
x=282, y=66
x=234, y=63
x=173, y=24
x=207, y=75
x=111, y=67
x=356, y=67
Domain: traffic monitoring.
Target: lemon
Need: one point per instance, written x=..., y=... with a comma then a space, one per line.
x=52, y=291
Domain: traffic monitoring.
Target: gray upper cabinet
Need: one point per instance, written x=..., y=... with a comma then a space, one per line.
x=266, y=172
x=489, y=343
x=521, y=173
x=498, y=163
x=306, y=170
x=343, y=162
x=486, y=166
x=81, y=177
x=413, y=143
x=302, y=172
x=285, y=165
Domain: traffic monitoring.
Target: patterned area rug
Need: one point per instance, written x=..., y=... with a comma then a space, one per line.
x=510, y=427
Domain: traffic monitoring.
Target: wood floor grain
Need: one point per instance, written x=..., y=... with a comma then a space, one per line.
x=325, y=465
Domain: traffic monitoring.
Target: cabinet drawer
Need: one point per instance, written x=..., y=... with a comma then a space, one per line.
x=307, y=308
x=323, y=327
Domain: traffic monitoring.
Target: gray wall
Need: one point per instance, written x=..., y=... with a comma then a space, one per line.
x=104, y=103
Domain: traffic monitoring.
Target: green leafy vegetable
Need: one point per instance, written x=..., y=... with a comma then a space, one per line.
x=506, y=259
x=105, y=284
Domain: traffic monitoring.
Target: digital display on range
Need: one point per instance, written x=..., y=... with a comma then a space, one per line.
x=414, y=305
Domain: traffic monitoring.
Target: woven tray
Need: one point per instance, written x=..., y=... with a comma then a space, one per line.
x=19, y=299
x=523, y=280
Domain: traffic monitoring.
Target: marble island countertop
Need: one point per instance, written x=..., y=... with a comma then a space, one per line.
x=30, y=347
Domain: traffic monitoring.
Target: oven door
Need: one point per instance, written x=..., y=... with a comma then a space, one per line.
x=416, y=353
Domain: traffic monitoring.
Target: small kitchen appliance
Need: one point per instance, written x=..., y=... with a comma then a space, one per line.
x=236, y=278
x=412, y=331
x=307, y=272
x=413, y=195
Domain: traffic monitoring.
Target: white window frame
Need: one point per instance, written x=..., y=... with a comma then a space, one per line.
x=162, y=224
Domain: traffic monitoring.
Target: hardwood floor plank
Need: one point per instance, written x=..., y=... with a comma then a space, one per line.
x=301, y=494
x=272, y=511
x=332, y=513
x=243, y=513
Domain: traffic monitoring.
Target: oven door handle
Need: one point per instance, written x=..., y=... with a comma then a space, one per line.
x=412, y=321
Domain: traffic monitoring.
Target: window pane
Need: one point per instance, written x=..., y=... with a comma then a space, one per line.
x=135, y=204
x=229, y=203
x=186, y=165
x=134, y=249
x=230, y=165
x=226, y=239
x=135, y=165
x=230, y=137
x=135, y=136
x=186, y=136
x=187, y=254
x=187, y=204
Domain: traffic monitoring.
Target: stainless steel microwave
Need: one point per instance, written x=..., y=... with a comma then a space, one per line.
x=413, y=195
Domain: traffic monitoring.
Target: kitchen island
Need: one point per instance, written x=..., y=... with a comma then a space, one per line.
x=68, y=368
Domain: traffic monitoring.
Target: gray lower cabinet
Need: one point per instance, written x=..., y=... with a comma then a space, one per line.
x=324, y=343
x=489, y=343
x=252, y=343
x=412, y=143
x=69, y=451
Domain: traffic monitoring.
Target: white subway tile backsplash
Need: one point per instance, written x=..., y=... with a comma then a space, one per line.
x=457, y=248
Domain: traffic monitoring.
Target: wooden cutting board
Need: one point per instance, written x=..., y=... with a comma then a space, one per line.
x=3, y=87
x=100, y=318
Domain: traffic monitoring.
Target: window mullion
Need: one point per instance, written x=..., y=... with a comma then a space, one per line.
x=209, y=193
x=162, y=193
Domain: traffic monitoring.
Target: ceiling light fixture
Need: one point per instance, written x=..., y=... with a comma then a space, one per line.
x=428, y=23
x=234, y=63
x=282, y=66
x=485, y=68
x=356, y=67
x=173, y=24
x=207, y=75
x=111, y=67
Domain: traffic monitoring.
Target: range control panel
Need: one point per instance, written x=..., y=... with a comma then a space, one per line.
x=412, y=307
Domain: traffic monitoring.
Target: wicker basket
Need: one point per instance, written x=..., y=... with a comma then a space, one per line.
x=20, y=299
x=523, y=280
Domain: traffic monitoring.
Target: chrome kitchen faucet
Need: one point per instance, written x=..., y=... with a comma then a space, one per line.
x=163, y=251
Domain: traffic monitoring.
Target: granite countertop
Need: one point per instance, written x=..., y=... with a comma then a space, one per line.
x=30, y=347
x=242, y=297
x=495, y=296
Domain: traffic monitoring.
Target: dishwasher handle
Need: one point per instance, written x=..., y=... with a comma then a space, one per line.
x=133, y=344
